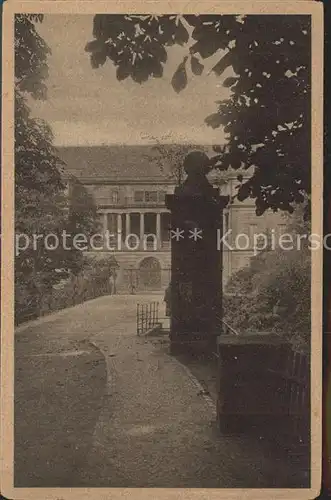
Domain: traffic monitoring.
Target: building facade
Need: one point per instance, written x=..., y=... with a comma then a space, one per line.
x=137, y=221
x=129, y=189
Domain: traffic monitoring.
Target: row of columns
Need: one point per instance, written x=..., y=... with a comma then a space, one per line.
x=128, y=224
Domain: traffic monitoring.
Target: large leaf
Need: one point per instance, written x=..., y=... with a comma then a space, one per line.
x=181, y=34
x=244, y=191
x=179, y=80
x=214, y=120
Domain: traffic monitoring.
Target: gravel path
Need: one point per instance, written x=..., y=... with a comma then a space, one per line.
x=155, y=427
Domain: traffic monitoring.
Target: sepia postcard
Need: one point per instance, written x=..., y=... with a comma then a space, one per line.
x=161, y=249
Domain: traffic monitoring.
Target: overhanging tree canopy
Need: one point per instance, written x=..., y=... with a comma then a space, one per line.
x=266, y=118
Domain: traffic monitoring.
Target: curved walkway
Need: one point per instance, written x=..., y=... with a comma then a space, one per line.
x=154, y=427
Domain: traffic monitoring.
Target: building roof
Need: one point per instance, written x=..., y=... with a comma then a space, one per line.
x=129, y=164
x=117, y=162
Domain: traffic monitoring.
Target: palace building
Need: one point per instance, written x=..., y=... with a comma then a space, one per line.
x=129, y=184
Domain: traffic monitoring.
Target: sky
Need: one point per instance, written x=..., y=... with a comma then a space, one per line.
x=88, y=106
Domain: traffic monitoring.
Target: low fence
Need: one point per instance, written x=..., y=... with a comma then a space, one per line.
x=227, y=329
x=147, y=317
x=291, y=374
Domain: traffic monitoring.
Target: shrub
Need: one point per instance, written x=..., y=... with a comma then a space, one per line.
x=34, y=299
x=276, y=296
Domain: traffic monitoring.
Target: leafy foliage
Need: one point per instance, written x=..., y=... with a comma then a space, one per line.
x=100, y=267
x=41, y=206
x=91, y=282
x=38, y=184
x=83, y=213
x=31, y=54
x=273, y=294
x=266, y=118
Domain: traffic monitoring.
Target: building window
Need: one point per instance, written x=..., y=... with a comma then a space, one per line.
x=146, y=196
x=139, y=196
x=162, y=195
x=151, y=196
x=114, y=196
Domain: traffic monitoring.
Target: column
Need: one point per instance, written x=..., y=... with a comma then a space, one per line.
x=119, y=227
x=127, y=224
x=105, y=228
x=105, y=222
x=142, y=229
x=112, y=239
x=158, y=231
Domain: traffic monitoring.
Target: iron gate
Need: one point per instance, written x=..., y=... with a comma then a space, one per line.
x=147, y=317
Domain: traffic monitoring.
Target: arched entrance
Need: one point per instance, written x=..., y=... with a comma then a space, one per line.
x=149, y=274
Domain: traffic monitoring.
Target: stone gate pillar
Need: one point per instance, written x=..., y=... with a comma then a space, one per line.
x=196, y=260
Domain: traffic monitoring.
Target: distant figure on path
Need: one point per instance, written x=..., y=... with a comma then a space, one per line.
x=111, y=284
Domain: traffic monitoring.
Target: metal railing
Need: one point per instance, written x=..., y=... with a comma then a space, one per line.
x=292, y=373
x=227, y=329
x=147, y=317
